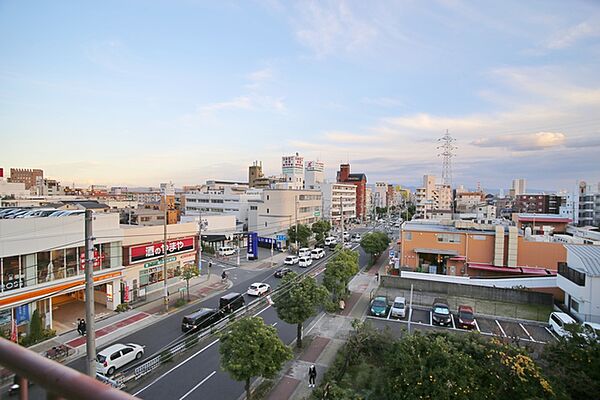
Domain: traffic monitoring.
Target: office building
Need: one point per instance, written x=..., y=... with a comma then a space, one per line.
x=292, y=168
x=30, y=177
x=359, y=180
x=314, y=175
x=338, y=196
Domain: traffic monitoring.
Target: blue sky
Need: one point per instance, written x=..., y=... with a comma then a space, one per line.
x=138, y=92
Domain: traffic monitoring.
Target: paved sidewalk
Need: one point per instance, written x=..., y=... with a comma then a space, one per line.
x=118, y=325
x=326, y=336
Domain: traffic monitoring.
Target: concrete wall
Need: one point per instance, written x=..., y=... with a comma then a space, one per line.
x=477, y=292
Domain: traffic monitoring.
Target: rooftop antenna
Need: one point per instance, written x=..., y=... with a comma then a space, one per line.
x=447, y=152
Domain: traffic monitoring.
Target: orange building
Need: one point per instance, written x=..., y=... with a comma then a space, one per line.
x=464, y=248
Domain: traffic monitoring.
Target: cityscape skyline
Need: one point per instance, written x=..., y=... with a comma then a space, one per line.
x=199, y=91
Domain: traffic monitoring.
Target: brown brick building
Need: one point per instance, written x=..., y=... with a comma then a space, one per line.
x=360, y=181
x=27, y=176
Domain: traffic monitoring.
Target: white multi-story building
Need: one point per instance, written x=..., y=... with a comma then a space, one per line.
x=369, y=208
x=338, y=196
x=588, y=204
x=519, y=186
x=380, y=194
x=579, y=278
x=278, y=209
x=221, y=197
x=315, y=174
x=292, y=168
x=433, y=198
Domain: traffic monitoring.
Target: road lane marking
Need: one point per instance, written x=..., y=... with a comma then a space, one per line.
x=501, y=329
x=550, y=332
x=452, y=319
x=530, y=337
x=230, y=268
x=175, y=367
x=274, y=324
x=198, y=385
x=476, y=325
x=430, y=318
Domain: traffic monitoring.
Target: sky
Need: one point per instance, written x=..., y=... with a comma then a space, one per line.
x=141, y=92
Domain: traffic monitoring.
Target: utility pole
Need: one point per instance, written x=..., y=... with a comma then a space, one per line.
x=238, y=249
x=342, y=218
x=296, y=218
x=199, y=242
x=272, y=254
x=410, y=310
x=89, y=296
x=165, y=250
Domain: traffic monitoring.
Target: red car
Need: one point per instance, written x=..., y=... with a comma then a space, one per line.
x=466, y=319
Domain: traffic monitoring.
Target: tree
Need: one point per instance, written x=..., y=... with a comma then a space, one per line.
x=189, y=271
x=340, y=269
x=299, y=300
x=320, y=228
x=573, y=365
x=375, y=243
x=304, y=234
x=249, y=348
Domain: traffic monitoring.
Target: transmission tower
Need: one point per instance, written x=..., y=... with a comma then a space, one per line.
x=447, y=152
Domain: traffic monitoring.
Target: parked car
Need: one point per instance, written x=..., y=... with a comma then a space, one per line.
x=116, y=356
x=258, y=289
x=226, y=251
x=231, y=302
x=198, y=320
x=305, y=262
x=398, y=309
x=304, y=252
x=466, y=319
x=317, y=254
x=291, y=260
x=591, y=330
x=348, y=245
x=558, y=322
x=440, y=312
x=281, y=272
x=356, y=237
x=346, y=235
x=379, y=306
x=330, y=241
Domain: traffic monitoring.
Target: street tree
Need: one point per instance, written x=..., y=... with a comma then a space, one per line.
x=340, y=269
x=250, y=348
x=304, y=233
x=374, y=244
x=298, y=300
x=188, y=272
x=320, y=228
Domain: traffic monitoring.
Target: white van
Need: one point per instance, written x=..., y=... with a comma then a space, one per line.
x=304, y=252
x=317, y=254
x=226, y=251
x=558, y=322
x=330, y=241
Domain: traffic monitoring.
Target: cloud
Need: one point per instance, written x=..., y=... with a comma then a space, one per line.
x=258, y=78
x=238, y=103
x=387, y=102
x=328, y=27
x=349, y=138
x=570, y=36
x=524, y=142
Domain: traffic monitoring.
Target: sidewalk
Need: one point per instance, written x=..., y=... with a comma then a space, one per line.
x=326, y=336
x=117, y=325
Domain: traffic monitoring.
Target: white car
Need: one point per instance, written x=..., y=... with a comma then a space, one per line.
x=346, y=236
x=317, y=254
x=330, y=241
x=116, y=356
x=291, y=260
x=304, y=252
x=398, y=309
x=558, y=322
x=305, y=262
x=258, y=289
x=226, y=251
x=591, y=330
x=356, y=237
x=348, y=245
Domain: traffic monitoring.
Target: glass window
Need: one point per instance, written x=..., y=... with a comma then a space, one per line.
x=58, y=264
x=72, y=260
x=12, y=278
x=43, y=261
x=105, y=256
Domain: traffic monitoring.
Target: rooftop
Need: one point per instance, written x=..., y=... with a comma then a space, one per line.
x=589, y=256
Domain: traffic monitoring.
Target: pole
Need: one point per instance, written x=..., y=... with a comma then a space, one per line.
x=271, y=254
x=342, y=218
x=296, y=218
x=200, y=242
x=89, y=296
x=410, y=310
x=238, y=250
x=165, y=249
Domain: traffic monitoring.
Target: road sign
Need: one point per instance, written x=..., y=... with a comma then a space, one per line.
x=281, y=238
x=392, y=253
x=317, y=213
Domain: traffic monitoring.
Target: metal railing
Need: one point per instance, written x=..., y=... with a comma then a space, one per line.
x=59, y=380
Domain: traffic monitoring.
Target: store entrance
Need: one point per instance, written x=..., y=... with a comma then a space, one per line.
x=66, y=308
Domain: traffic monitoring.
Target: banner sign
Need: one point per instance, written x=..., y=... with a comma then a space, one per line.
x=155, y=250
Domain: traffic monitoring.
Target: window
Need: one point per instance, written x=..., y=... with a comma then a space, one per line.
x=116, y=355
x=265, y=224
x=267, y=197
x=574, y=305
x=127, y=350
x=408, y=235
x=267, y=210
x=448, y=238
x=574, y=276
x=253, y=207
x=12, y=278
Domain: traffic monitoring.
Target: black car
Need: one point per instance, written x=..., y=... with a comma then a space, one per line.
x=199, y=320
x=281, y=272
x=440, y=312
x=231, y=302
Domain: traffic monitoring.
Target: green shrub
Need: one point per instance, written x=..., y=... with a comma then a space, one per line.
x=180, y=302
x=191, y=341
x=122, y=307
x=166, y=356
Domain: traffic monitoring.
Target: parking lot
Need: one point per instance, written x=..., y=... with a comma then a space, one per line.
x=515, y=330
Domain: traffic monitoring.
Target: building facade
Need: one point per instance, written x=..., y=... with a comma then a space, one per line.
x=29, y=177
x=338, y=197
x=433, y=199
x=359, y=180
x=315, y=174
x=292, y=168
x=579, y=278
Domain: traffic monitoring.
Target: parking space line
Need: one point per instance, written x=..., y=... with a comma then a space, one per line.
x=527, y=332
x=550, y=332
x=501, y=329
x=452, y=319
x=476, y=325
x=430, y=318
x=274, y=324
x=198, y=385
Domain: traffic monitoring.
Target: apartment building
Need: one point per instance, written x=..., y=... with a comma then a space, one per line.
x=278, y=209
x=579, y=278
x=338, y=197
x=433, y=200
x=380, y=194
x=29, y=177
x=359, y=180
x=588, y=204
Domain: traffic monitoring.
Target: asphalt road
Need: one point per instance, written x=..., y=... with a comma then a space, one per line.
x=200, y=376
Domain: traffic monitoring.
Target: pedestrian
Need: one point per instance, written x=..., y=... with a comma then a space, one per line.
x=83, y=327
x=312, y=375
x=79, y=326
x=377, y=275
x=209, y=264
x=224, y=276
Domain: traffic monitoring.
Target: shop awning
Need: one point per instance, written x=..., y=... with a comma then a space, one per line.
x=437, y=251
x=458, y=258
x=214, y=238
x=514, y=270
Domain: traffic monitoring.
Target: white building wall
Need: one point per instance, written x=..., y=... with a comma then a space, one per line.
x=332, y=192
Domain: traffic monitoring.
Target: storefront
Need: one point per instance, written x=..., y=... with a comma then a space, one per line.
x=144, y=272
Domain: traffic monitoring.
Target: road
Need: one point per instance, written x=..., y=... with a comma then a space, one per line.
x=199, y=375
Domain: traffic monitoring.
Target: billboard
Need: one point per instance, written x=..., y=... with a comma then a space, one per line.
x=155, y=250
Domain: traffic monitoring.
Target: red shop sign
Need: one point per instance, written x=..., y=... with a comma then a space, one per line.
x=155, y=250
x=97, y=259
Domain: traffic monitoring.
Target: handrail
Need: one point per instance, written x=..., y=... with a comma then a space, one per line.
x=56, y=378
